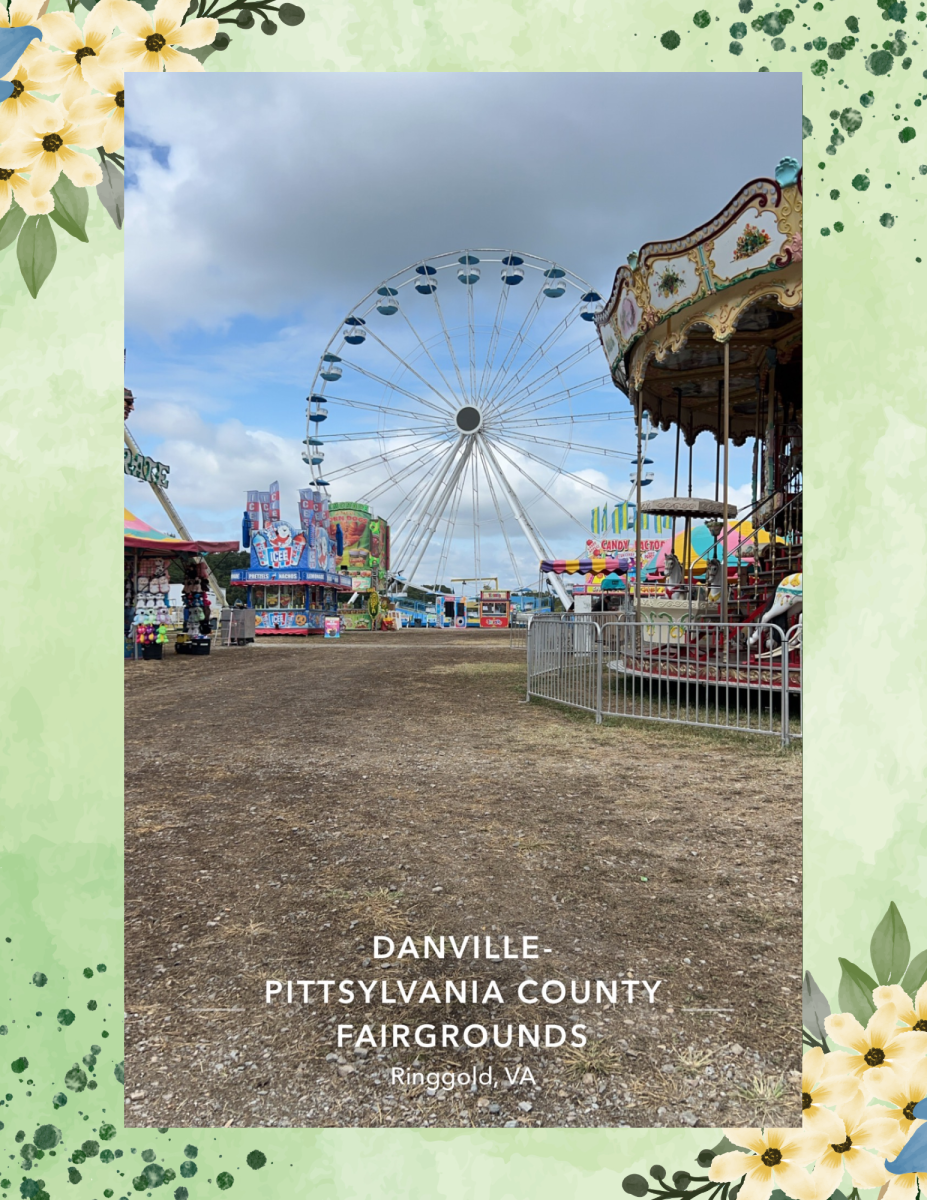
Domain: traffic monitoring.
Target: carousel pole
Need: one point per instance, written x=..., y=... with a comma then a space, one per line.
x=676, y=468
x=727, y=434
x=639, y=398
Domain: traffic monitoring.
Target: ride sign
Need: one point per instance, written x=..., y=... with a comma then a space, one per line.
x=140, y=466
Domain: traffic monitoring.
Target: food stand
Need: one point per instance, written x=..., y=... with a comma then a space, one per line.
x=494, y=610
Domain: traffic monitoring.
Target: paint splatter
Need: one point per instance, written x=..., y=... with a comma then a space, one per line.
x=670, y=40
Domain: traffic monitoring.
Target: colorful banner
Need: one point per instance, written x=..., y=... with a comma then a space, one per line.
x=623, y=517
x=264, y=498
x=306, y=496
x=254, y=509
x=274, y=498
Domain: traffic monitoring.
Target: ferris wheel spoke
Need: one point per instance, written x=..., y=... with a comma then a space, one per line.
x=368, y=434
x=471, y=341
x=545, y=492
x=442, y=412
x=429, y=356
x=407, y=366
x=521, y=398
x=518, y=340
x=536, y=356
x=570, y=392
x=450, y=526
x=353, y=468
x=545, y=462
x=441, y=506
x=495, y=503
x=474, y=467
x=572, y=419
x=420, y=504
x=427, y=463
x=501, y=305
x=561, y=443
x=450, y=347
x=521, y=516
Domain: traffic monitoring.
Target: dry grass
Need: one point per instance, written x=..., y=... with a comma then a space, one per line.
x=379, y=910
x=595, y=1058
x=764, y=1095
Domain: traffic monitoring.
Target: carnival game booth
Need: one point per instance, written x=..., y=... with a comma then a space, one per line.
x=147, y=553
x=291, y=583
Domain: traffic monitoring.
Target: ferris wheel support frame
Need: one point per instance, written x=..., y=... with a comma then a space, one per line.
x=424, y=539
x=526, y=527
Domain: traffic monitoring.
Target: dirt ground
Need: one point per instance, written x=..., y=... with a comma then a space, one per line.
x=285, y=803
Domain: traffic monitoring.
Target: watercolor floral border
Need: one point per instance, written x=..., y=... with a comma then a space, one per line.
x=54, y=1104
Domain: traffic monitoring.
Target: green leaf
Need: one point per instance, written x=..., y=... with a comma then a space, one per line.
x=814, y=1007
x=72, y=204
x=111, y=190
x=855, y=991
x=890, y=948
x=10, y=225
x=916, y=974
x=725, y=1146
x=36, y=250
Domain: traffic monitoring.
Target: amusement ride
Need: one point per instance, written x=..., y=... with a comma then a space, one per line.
x=481, y=374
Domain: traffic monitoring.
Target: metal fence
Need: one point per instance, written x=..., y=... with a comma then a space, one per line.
x=518, y=630
x=735, y=677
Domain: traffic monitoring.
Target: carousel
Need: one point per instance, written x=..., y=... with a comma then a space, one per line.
x=703, y=334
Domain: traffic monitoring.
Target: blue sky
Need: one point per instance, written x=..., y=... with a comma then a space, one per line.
x=264, y=208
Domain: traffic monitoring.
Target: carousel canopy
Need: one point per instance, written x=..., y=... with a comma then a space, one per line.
x=735, y=280
x=140, y=536
x=585, y=566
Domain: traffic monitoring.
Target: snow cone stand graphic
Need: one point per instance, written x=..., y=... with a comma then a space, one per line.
x=292, y=582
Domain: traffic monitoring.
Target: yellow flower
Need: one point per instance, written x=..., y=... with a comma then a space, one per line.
x=17, y=107
x=881, y=1043
x=901, y=1091
x=913, y=1015
x=817, y=1091
x=109, y=107
x=863, y=1129
x=13, y=184
x=905, y=1187
x=47, y=149
x=67, y=71
x=776, y=1159
x=149, y=38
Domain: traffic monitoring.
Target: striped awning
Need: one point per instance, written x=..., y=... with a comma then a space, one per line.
x=586, y=566
x=138, y=535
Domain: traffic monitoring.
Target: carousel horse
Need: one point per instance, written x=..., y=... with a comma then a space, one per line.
x=785, y=604
x=713, y=578
x=673, y=576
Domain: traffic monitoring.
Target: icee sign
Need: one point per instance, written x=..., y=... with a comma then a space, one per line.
x=278, y=546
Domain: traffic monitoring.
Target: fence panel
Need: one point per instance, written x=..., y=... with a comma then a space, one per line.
x=564, y=660
x=736, y=677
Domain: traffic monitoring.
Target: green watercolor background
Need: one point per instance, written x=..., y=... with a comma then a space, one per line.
x=61, y=706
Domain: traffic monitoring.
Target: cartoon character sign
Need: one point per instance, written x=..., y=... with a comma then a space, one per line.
x=322, y=548
x=277, y=546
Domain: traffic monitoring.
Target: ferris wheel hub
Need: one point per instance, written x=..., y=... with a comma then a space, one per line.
x=468, y=419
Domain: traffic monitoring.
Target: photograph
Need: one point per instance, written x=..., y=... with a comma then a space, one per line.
x=463, y=454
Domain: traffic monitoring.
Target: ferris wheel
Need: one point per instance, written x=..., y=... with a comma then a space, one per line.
x=481, y=376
